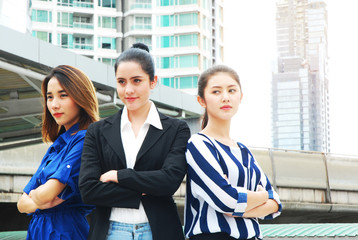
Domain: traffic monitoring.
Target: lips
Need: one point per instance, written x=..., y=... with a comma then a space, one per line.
x=130, y=99
x=226, y=107
x=57, y=115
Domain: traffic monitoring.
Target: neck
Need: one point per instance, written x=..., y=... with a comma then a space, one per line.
x=222, y=132
x=140, y=115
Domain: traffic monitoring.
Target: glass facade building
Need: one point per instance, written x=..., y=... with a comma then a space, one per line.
x=185, y=36
x=300, y=99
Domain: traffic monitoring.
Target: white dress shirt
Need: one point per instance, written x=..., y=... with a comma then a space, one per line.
x=131, y=146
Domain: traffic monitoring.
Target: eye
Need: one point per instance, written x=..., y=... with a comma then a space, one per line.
x=121, y=82
x=49, y=97
x=63, y=95
x=232, y=90
x=137, y=80
x=216, y=92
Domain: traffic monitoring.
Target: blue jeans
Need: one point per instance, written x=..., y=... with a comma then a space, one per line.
x=126, y=231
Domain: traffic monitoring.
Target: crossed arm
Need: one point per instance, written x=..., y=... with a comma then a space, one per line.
x=259, y=205
x=43, y=197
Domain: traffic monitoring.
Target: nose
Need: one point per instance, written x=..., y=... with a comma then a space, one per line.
x=225, y=96
x=129, y=89
x=55, y=103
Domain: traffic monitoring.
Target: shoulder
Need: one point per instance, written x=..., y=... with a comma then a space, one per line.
x=174, y=122
x=198, y=140
x=104, y=122
x=78, y=137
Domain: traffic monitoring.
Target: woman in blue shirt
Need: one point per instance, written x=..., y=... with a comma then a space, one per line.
x=226, y=188
x=52, y=196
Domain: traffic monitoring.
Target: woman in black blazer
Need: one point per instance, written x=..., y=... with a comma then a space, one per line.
x=134, y=161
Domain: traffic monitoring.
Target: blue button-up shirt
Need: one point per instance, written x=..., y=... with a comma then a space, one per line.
x=62, y=162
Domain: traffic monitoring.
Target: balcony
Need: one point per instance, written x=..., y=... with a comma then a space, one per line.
x=141, y=6
x=83, y=25
x=81, y=4
x=83, y=46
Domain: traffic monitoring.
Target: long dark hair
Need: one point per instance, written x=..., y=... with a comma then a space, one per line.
x=204, y=79
x=80, y=88
x=138, y=53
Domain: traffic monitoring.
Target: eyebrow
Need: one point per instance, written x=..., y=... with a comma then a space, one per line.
x=131, y=77
x=61, y=91
x=233, y=85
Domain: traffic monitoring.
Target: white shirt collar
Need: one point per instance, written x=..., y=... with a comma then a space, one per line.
x=152, y=118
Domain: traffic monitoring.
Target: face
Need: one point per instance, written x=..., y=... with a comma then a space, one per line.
x=222, y=97
x=133, y=86
x=61, y=106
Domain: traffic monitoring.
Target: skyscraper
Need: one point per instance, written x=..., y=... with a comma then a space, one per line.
x=300, y=100
x=185, y=36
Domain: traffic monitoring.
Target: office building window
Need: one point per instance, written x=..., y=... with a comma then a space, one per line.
x=188, y=61
x=109, y=61
x=165, y=41
x=165, y=3
x=44, y=36
x=169, y=82
x=146, y=40
x=67, y=3
x=180, y=82
x=83, y=43
x=65, y=19
x=185, y=2
x=82, y=22
x=165, y=62
x=141, y=4
x=187, y=40
x=188, y=82
x=107, y=43
x=142, y=23
x=107, y=3
x=107, y=22
x=186, y=19
x=65, y=40
x=41, y=16
x=165, y=21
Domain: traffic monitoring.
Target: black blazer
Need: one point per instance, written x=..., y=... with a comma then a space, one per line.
x=158, y=172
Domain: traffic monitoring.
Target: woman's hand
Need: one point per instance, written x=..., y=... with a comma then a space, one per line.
x=110, y=176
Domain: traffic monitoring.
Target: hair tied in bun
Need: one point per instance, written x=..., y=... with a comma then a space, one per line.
x=141, y=46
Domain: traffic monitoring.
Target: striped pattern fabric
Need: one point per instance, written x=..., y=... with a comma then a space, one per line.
x=217, y=180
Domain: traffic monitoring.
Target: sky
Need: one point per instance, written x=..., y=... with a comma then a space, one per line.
x=249, y=37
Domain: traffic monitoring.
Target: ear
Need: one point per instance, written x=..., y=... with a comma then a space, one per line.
x=241, y=97
x=201, y=101
x=153, y=83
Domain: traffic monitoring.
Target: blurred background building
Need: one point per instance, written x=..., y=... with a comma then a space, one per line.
x=185, y=36
x=300, y=96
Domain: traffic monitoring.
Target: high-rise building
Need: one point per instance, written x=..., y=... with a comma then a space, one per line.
x=300, y=99
x=185, y=36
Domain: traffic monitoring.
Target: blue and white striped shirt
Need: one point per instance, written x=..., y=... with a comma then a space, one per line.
x=210, y=194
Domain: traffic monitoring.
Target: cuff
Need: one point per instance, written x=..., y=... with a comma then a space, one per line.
x=241, y=204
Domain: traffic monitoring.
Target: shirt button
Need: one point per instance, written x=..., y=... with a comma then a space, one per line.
x=68, y=166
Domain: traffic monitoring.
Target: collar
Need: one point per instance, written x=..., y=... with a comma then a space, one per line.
x=152, y=118
x=66, y=136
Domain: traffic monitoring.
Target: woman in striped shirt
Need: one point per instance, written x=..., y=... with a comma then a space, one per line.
x=227, y=191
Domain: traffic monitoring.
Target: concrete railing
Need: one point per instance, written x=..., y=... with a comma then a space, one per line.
x=298, y=176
